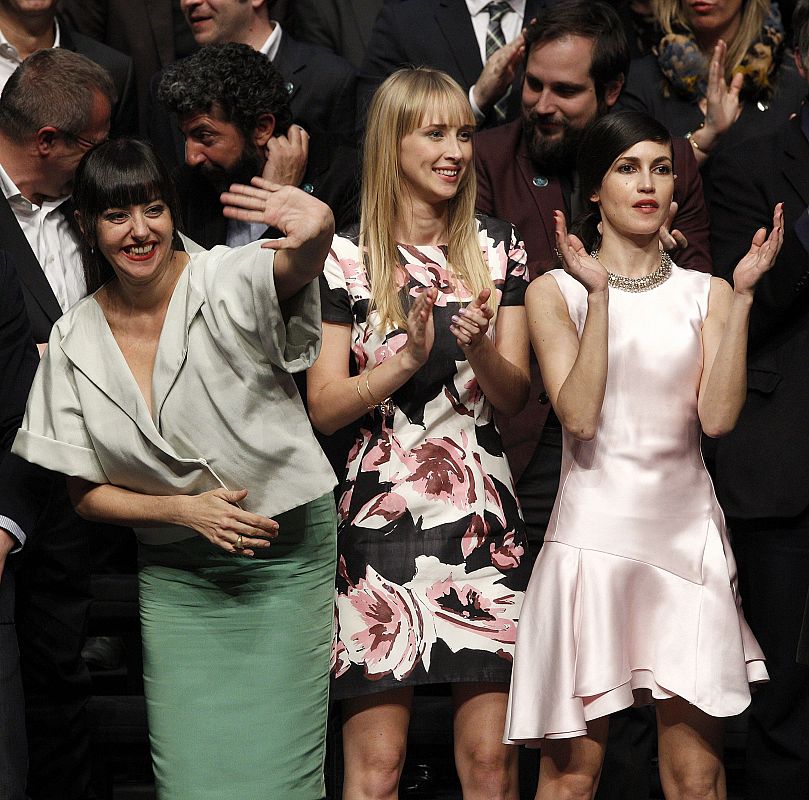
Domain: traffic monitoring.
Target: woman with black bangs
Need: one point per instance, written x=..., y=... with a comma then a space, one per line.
x=165, y=397
x=633, y=597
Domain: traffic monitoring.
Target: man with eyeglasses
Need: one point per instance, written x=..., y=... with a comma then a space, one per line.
x=53, y=108
x=30, y=25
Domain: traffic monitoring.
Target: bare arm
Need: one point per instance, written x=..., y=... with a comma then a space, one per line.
x=723, y=387
x=335, y=398
x=307, y=225
x=214, y=515
x=574, y=371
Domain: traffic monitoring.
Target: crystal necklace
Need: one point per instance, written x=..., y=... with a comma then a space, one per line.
x=644, y=284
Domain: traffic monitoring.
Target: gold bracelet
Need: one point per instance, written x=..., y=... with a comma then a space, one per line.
x=693, y=142
x=386, y=407
x=359, y=394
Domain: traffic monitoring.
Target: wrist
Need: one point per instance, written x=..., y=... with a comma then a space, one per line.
x=409, y=363
x=7, y=542
x=704, y=138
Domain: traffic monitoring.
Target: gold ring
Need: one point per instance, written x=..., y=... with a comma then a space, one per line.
x=239, y=543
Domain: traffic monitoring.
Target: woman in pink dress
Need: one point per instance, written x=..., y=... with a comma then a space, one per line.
x=424, y=335
x=633, y=597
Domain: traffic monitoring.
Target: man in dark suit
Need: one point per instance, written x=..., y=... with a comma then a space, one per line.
x=232, y=136
x=18, y=362
x=321, y=86
x=762, y=468
x=448, y=35
x=342, y=26
x=153, y=33
x=54, y=107
x=28, y=27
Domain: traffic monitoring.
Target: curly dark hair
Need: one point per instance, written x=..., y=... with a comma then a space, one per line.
x=239, y=80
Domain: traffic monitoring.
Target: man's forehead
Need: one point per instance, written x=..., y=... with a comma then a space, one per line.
x=571, y=54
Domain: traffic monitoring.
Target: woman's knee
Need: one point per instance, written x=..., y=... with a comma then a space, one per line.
x=375, y=766
x=487, y=763
x=689, y=783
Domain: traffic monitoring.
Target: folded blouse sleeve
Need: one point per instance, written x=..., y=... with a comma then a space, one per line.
x=240, y=289
x=53, y=433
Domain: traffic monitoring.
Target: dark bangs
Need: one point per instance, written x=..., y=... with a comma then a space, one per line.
x=117, y=174
x=120, y=173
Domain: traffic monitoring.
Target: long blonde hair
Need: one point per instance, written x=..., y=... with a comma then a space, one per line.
x=399, y=106
x=670, y=15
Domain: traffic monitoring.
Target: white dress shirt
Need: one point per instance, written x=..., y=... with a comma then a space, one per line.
x=10, y=58
x=53, y=241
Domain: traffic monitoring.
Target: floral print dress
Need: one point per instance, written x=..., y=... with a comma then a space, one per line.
x=432, y=561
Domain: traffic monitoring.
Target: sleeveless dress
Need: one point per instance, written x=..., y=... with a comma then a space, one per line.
x=432, y=563
x=634, y=594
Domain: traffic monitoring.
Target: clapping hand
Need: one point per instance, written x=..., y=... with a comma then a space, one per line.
x=761, y=255
x=721, y=105
x=420, y=327
x=470, y=324
x=299, y=216
x=576, y=261
x=498, y=73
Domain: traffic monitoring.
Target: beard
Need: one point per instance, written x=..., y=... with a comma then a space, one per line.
x=243, y=171
x=555, y=156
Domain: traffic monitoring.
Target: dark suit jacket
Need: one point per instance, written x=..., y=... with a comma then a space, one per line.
x=342, y=26
x=143, y=30
x=18, y=363
x=762, y=467
x=125, y=112
x=506, y=190
x=433, y=33
x=40, y=302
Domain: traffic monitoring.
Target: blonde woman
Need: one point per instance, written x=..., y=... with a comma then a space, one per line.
x=717, y=73
x=424, y=334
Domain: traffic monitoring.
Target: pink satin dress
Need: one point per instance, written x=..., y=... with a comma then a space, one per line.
x=634, y=593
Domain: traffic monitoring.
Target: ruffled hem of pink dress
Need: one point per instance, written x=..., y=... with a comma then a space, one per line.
x=600, y=632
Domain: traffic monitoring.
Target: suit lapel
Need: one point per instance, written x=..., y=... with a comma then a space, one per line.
x=547, y=198
x=455, y=24
x=288, y=64
x=28, y=268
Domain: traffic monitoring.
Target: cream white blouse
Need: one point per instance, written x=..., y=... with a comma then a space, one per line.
x=226, y=412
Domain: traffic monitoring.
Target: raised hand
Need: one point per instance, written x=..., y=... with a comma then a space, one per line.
x=216, y=516
x=470, y=324
x=671, y=239
x=299, y=216
x=287, y=157
x=761, y=255
x=420, y=327
x=498, y=73
x=576, y=261
x=722, y=106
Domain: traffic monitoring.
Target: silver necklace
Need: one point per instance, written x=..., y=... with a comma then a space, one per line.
x=644, y=284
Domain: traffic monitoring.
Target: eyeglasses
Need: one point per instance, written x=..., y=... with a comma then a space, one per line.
x=86, y=144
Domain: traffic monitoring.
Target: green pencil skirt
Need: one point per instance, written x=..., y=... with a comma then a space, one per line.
x=236, y=662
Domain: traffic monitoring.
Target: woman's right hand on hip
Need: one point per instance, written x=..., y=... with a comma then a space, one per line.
x=216, y=516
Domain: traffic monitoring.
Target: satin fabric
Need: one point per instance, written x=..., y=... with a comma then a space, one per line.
x=634, y=593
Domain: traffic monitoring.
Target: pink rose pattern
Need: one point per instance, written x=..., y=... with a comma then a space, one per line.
x=432, y=558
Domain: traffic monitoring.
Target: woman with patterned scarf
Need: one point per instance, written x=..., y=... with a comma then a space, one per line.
x=718, y=73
